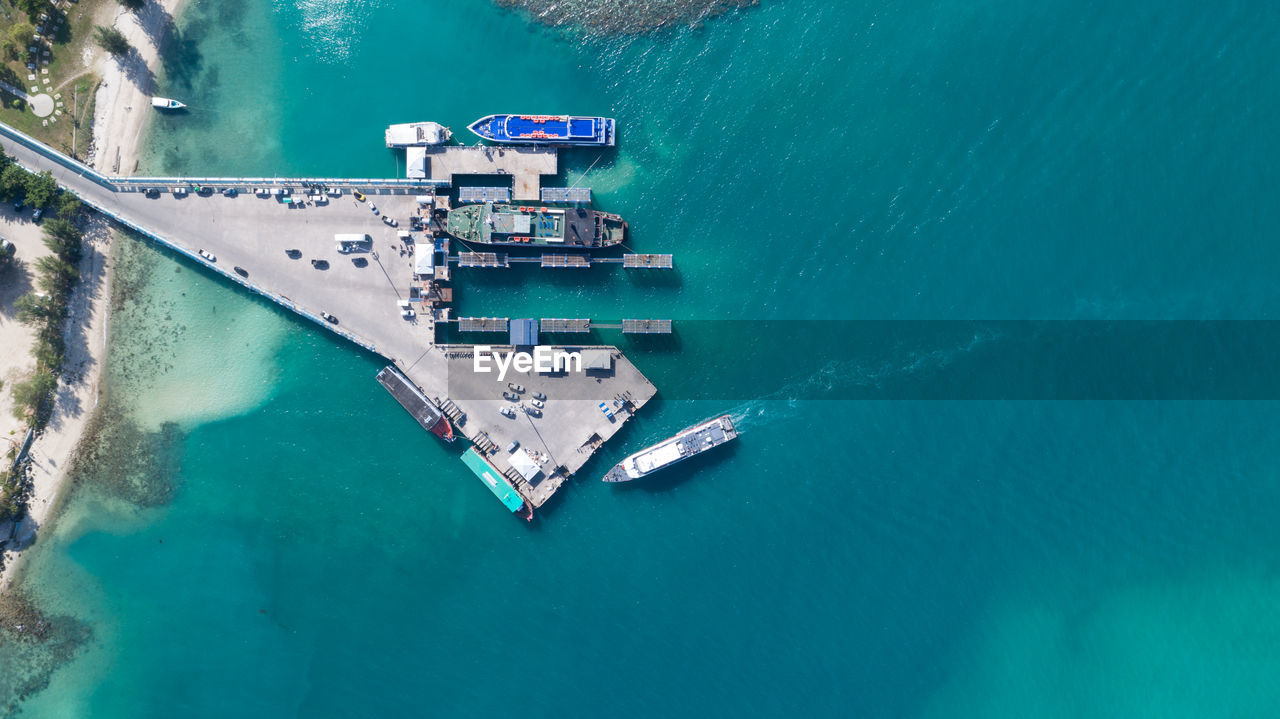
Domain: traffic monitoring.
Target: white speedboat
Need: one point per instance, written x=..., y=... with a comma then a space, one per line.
x=164, y=103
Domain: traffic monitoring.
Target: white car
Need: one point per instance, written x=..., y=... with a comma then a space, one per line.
x=515, y=387
x=207, y=255
x=507, y=412
x=537, y=403
x=390, y=221
x=539, y=395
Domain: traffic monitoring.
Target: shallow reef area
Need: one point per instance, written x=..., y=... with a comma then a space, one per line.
x=623, y=17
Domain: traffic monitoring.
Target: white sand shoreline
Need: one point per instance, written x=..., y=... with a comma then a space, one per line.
x=122, y=108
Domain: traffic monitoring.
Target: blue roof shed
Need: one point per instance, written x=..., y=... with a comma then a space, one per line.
x=524, y=332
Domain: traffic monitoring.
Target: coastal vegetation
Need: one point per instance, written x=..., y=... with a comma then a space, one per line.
x=45, y=310
x=43, y=52
x=112, y=40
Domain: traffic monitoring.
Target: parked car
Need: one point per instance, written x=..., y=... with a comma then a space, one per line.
x=151, y=192
x=358, y=195
x=329, y=318
x=515, y=444
x=512, y=396
x=374, y=208
x=533, y=411
x=35, y=216
x=537, y=403
x=241, y=271
x=293, y=254
x=390, y=221
x=507, y=412
x=539, y=395
x=19, y=205
x=320, y=264
x=515, y=387
x=207, y=255
x=230, y=192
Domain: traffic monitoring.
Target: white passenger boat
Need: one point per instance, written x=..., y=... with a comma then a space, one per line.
x=164, y=103
x=413, y=134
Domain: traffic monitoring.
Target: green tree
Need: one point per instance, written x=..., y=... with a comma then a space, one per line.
x=62, y=237
x=35, y=310
x=133, y=5
x=40, y=189
x=113, y=41
x=32, y=8
x=32, y=394
x=54, y=276
x=67, y=206
x=21, y=33
x=12, y=181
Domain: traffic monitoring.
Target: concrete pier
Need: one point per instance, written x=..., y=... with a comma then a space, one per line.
x=524, y=164
x=368, y=292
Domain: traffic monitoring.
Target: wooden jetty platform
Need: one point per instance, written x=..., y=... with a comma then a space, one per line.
x=634, y=261
x=483, y=324
x=567, y=195
x=566, y=261
x=558, y=325
x=484, y=194
x=646, y=327
x=482, y=259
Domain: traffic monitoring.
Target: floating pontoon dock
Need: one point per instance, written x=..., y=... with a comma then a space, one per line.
x=472, y=195
x=567, y=195
x=647, y=327
x=483, y=324
x=555, y=325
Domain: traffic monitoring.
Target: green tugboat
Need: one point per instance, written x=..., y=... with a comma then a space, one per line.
x=524, y=225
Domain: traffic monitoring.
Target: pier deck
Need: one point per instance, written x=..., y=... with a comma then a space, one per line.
x=365, y=291
x=526, y=165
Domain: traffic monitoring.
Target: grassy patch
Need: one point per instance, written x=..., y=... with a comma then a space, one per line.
x=68, y=74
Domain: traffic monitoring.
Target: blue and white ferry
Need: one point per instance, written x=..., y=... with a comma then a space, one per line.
x=546, y=129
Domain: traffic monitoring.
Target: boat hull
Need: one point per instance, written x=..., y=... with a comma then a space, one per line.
x=557, y=130
x=536, y=226
x=687, y=443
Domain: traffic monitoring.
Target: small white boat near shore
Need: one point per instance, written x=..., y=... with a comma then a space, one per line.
x=164, y=103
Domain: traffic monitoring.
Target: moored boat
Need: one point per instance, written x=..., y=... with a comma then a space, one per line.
x=164, y=103
x=685, y=444
x=546, y=129
x=535, y=226
x=414, y=134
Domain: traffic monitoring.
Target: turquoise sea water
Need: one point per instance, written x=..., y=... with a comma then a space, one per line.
x=271, y=535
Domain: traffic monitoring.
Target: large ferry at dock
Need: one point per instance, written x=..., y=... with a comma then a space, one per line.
x=546, y=129
x=535, y=226
x=692, y=441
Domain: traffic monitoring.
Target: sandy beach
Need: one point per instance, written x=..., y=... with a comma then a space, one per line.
x=121, y=111
x=123, y=102
x=79, y=386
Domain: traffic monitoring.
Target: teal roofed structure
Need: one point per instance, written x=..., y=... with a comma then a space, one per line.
x=493, y=480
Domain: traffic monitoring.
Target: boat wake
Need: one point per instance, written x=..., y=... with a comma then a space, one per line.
x=842, y=380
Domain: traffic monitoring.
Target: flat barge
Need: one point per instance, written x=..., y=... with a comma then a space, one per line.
x=416, y=403
x=690, y=442
x=555, y=130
